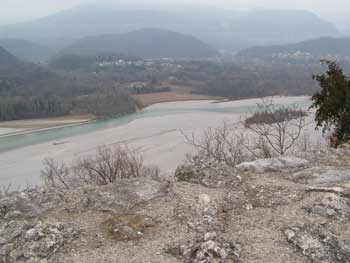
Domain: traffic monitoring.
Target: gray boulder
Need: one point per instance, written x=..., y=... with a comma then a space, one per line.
x=272, y=164
x=322, y=175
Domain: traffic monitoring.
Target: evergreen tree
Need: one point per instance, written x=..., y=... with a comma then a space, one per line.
x=333, y=103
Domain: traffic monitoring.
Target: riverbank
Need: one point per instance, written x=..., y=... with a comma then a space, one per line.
x=8, y=128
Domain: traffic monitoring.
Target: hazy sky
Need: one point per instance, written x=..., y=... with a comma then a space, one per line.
x=336, y=11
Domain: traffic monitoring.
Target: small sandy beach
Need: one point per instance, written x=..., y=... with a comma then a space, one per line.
x=154, y=98
x=21, y=126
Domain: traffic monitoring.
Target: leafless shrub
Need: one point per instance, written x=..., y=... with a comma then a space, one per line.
x=278, y=126
x=108, y=166
x=55, y=174
x=273, y=131
x=258, y=148
x=152, y=171
x=221, y=145
x=5, y=190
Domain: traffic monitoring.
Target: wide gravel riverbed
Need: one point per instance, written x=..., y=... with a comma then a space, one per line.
x=156, y=132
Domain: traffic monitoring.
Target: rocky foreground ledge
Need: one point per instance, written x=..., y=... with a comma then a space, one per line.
x=274, y=210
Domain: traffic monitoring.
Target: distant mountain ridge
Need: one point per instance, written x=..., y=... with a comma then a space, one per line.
x=146, y=43
x=25, y=49
x=222, y=29
x=320, y=47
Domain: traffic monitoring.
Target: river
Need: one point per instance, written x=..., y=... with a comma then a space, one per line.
x=156, y=131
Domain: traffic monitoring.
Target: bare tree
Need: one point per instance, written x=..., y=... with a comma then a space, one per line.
x=280, y=127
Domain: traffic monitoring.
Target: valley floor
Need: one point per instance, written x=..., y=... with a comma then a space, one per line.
x=157, y=133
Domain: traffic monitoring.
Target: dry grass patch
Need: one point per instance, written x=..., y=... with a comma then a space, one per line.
x=127, y=227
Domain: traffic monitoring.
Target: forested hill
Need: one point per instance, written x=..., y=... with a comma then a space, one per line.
x=6, y=58
x=26, y=50
x=320, y=47
x=146, y=43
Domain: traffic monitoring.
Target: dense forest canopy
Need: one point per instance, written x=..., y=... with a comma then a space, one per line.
x=231, y=78
x=31, y=91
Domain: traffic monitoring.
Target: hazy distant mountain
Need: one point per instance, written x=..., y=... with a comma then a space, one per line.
x=320, y=47
x=220, y=28
x=6, y=58
x=26, y=50
x=146, y=43
x=347, y=31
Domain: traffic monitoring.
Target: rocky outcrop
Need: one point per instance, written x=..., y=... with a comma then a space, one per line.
x=113, y=197
x=319, y=245
x=330, y=205
x=207, y=249
x=26, y=242
x=272, y=165
x=323, y=175
x=209, y=175
x=26, y=234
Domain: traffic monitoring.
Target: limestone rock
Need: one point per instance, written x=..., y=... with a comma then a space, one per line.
x=209, y=249
x=113, y=197
x=34, y=243
x=322, y=175
x=208, y=175
x=17, y=205
x=202, y=216
x=272, y=164
x=319, y=245
x=330, y=205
